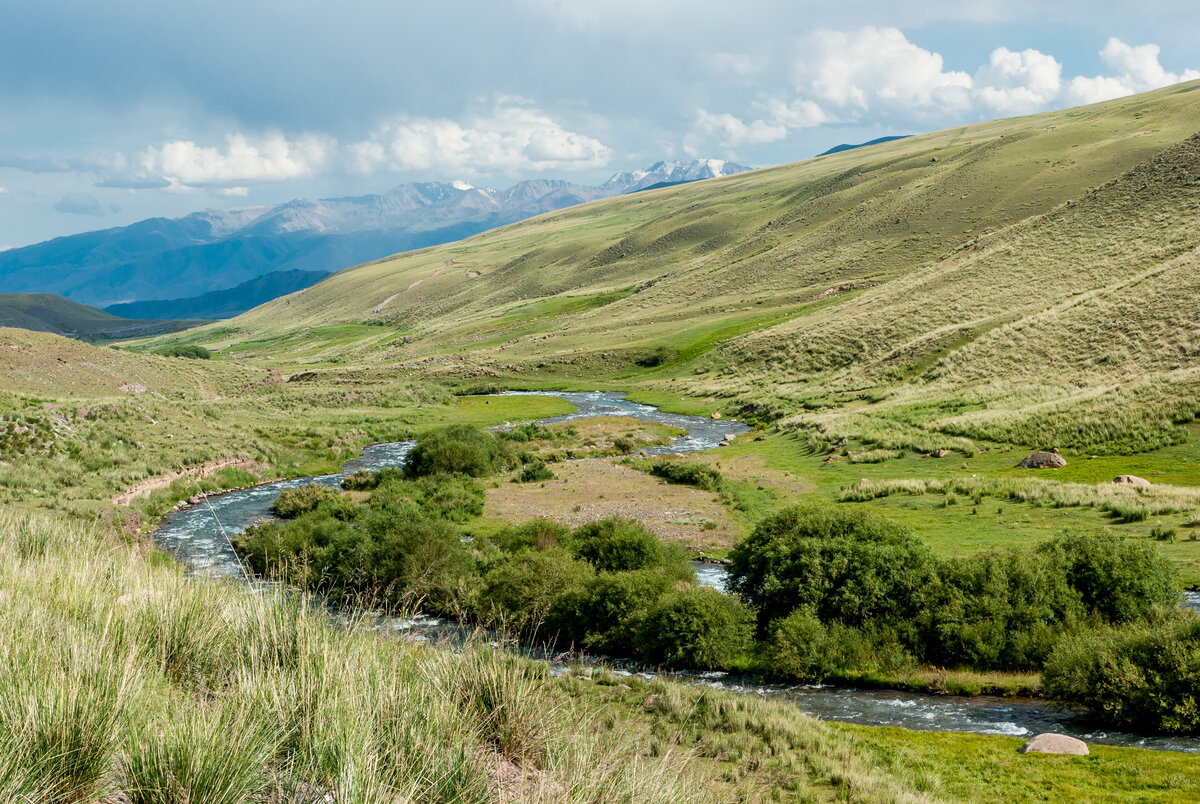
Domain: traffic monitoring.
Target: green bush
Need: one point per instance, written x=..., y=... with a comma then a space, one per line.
x=190, y=352
x=1144, y=677
x=520, y=593
x=364, y=480
x=537, y=534
x=534, y=472
x=1120, y=579
x=844, y=564
x=617, y=544
x=694, y=627
x=455, y=449
x=293, y=502
x=687, y=474
x=603, y=614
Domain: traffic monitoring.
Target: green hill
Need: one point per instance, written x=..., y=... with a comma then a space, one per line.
x=968, y=283
x=49, y=312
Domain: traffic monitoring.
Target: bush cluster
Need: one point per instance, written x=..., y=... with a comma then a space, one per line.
x=687, y=474
x=842, y=590
x=1143, y=677
x=191, y=352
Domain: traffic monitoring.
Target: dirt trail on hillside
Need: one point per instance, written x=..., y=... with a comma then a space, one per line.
x=445, y=267
x=142, y=488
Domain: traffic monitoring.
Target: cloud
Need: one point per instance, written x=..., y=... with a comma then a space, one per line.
x=80, y=204
x=1136, y=69
x=876, y=70
x=510, y=138
x=876, y=75
x=1018, y=82
x=234, y=192
x=735, y=132
x=269, y=159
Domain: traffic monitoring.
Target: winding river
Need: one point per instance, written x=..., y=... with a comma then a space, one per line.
x=199, y=537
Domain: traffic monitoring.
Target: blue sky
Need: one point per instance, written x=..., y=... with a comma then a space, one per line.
x=117, y=111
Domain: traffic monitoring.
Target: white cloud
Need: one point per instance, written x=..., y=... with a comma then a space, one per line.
x=735, y=132
x=876, y=69
x=234, y=192
x=1136, y=69
x=271, y=158
x=510, y=138
x=877, y=75
x=1018, y=82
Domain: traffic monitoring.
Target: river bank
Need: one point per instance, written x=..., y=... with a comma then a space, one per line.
x=199, y=537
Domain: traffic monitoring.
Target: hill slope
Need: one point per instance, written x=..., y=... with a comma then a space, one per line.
x=181, y=261
x=988, y=269
x=49, y=312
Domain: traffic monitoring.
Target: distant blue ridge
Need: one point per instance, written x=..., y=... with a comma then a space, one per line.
x=837, y=149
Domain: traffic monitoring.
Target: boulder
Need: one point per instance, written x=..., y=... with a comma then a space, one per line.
x=1043, y=460
x=715, y=416
x=1050, y=743
x=194, y=499
x=1132, y=480
x=940, y=453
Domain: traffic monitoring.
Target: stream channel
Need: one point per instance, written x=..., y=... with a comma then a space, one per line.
x=198, y=537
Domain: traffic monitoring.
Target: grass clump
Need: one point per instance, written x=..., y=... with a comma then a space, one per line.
x=293, y=502
x=268, y=700
x=687, y=474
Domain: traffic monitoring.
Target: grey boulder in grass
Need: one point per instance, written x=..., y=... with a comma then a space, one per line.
x=1043, y=460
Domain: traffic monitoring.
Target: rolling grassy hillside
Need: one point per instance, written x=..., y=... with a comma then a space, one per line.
x=49, y=312
x=973, y=283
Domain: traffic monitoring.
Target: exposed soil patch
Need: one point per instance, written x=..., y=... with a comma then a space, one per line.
x=585, y=491
x=143, y=488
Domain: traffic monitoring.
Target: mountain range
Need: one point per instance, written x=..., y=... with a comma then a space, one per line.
x=217, y=263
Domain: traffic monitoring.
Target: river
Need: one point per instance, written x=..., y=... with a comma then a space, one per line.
x=199, y=537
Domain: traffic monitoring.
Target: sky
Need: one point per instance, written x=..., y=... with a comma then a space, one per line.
x=117, y=111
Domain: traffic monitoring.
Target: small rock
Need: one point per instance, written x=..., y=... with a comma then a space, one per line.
x=715, y=416
x=760, y=438
x=1132, y=480
x=194, y=499
x=1050, y=743
x=939, y=453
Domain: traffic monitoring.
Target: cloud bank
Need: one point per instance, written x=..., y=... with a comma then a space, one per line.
x=877, y=74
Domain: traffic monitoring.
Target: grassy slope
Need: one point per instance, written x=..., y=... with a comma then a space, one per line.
x=49, y=312
x=738, y=261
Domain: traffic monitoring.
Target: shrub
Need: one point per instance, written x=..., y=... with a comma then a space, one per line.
x=799, y=647
x=293, y=502
x=538, y=534
x=533, y=472
x=364, y=480
x=1143, y=677
x=458, y=448
x=848, y=565
x=694, y=627
x=803, y=648
x=617, y=544
x=190, y=352
x=603, y=614
x=519, y=593
x=624, y=445
x=687, y=474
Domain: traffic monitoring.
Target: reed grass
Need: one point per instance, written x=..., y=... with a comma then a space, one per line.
x=123, y=677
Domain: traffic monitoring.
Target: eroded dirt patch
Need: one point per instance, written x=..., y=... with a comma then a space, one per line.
x=585, y=491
